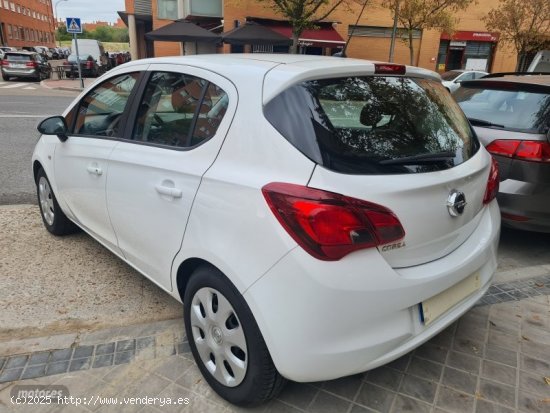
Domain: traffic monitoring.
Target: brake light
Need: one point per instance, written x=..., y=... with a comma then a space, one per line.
x=5, y=62
x=493, y=182
x=389, y=69
x=329, y=225
x=31, y=64
x=535, y=151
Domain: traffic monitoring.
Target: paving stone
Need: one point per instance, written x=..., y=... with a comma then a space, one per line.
x=385, y=377
x=401, y=363
x=407, y=404
x=16, y=362
x=173, y=367
x=103, y=361
x=327, y=403
x=418, y=388
x=345, y=387
x=61, y=355
x=106, y=348
x=425, y=369
x=459, y=380
x=499, y=338
x=497, y=392
x=537, y=335
x=453, y=401
x=531, y=403
x=535, y=350
x=445, y=338
x=57, y=367
x=83, y=351
x=463, y=361
x=469, y=346
x=32, y=372
x=499, y=372
x=375, y=397
x=80, y=364
x=432, y=352
x=39, y=358
x=359, y=409
x=145, y=342
x=483, y=406
x=2, y=361
x=501, y=355
x=535, y=384
x=534, y=365
x=276, y=406
x=125, y=345
x=10, y=375
x=124, y=357
x=298, y=394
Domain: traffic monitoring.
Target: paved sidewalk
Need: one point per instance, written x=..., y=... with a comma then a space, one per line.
x=494, y=359
x=66, y=84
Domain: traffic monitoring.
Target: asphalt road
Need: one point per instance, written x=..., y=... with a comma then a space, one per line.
x=21, y=109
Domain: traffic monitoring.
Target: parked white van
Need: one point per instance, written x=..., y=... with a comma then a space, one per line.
x=93, y=48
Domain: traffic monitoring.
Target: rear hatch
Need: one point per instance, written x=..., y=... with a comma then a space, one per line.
x=18, y=61
x=397, y=141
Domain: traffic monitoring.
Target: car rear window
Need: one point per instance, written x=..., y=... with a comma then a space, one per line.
x=18, y=57
x=510, y=109
x=374, y=124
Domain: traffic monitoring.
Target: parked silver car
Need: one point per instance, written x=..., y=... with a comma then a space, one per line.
x=453, y=78
x=511, y=115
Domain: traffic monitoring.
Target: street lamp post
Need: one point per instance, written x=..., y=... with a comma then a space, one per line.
x=56, y=18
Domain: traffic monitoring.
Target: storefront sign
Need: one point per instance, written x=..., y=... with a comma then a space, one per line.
x=462, y=36
x=454, y=43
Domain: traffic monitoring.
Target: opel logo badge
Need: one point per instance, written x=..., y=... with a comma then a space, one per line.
x=456, y=202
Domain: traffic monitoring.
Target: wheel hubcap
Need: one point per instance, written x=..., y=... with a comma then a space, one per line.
x=219, y=337
x=46, y=200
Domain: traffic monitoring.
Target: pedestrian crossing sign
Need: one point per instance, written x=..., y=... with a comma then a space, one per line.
x=73, y=25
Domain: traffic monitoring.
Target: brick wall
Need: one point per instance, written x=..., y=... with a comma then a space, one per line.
x=27, y=23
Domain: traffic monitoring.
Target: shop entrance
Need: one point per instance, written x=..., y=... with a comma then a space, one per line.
x=454, y=60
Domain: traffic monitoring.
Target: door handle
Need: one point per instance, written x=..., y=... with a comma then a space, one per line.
x=96, y=170
x=165, y=190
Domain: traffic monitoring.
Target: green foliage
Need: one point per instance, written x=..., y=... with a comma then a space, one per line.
x=426, y=14
x=525, y=24
x=101, y=33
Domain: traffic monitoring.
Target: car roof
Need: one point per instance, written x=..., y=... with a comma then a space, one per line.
x=283, y=69
x=543, y=80
x=25, y=52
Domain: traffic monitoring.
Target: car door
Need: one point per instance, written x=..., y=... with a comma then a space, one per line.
x=81, y=162
x=179, y=126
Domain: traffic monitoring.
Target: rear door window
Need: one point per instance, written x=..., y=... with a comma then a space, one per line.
x=18, y=57
x=374, y=125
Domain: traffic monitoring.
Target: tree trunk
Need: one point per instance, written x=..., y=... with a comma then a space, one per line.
x=411, y=47
x=294, y=47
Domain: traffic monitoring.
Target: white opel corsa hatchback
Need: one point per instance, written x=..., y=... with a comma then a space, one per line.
x=318, y=217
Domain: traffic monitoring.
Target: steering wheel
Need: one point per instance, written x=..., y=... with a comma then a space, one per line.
x=114, y=120
x=158, y=119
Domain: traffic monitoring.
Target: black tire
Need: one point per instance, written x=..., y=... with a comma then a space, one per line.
x=6, y=78
x=53, y=217
x=261, y=381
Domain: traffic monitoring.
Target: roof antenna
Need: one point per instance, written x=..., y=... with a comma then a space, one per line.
x=342, y=53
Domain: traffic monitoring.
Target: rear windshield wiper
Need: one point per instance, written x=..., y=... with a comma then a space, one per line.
x=422, y=158
x=481, y=122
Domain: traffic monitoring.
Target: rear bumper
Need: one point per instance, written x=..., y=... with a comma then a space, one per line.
x=20, y=72
x=524, y=194
x=324, y=320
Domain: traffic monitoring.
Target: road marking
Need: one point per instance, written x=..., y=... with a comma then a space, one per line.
x=12, y=86
x=29, y=88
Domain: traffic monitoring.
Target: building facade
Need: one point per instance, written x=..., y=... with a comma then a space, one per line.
x=27, y=23
x=470, y=46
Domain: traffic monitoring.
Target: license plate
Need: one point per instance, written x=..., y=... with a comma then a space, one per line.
x=437, y=305
x=17, y=65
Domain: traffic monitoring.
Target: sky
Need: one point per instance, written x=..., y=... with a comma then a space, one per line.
x=89, y=10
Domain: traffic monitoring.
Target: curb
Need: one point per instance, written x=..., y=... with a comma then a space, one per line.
x=44, y=84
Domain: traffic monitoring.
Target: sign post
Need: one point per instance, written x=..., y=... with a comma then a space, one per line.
x=74, y=26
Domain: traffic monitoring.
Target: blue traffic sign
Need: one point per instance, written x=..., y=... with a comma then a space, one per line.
x=73, y=25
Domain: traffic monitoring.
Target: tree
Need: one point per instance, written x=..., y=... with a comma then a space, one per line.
x=303, y=14
x=425, y=14
x=525, y=24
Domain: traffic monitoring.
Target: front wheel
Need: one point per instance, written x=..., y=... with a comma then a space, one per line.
x=226, y=342
x=53, y=217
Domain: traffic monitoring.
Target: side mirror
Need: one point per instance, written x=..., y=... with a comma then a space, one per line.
x=55, y=125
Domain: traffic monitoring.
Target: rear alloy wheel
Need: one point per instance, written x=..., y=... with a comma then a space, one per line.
x=226, y=341
x=53, y=217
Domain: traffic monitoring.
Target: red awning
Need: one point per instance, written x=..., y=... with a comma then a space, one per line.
x=472, y=36
x=322, y=37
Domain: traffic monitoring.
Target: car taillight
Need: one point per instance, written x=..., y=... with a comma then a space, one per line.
x=31, y=64
x=389, y=69
x=329, y=225
x=5, y=62
x=492, y=183
x=535, y=151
